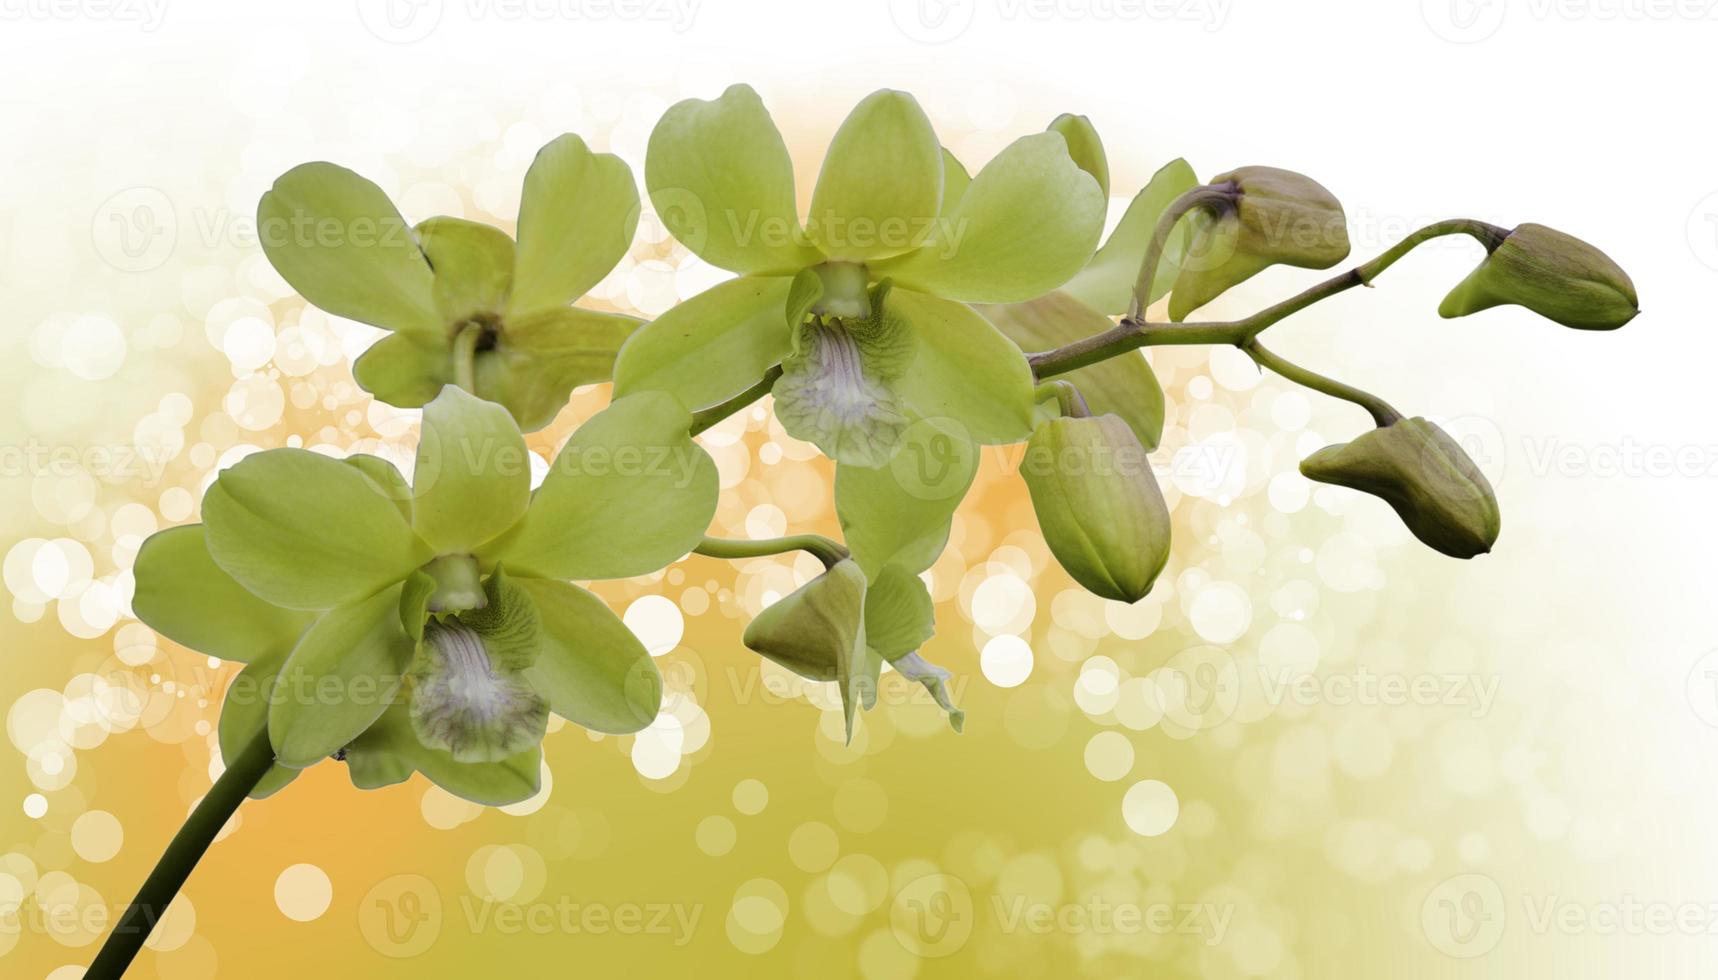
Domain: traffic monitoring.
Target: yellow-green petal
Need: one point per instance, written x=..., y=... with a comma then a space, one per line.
x=711, y=347
x=1025, y=225
x=629, y=493
x=338, y=240
x=339, y=679
x=955, y=182
x=543, y=356
x=592, y=669
x=1123, y=385
x=473, y=474
x=183, y=595
x=389, y=752
x=899, y=615
x=405, y=370
x=1084, y=146
x=473, y=264
x=721, y=180
x=244, y=713
x=881, y=185
x=305, y=531
x=1106, y=283
x=964, y=370
x=577, y=215
x=899, y=515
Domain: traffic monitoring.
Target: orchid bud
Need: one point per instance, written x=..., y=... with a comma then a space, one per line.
x=1416, y=468
x=1263, y=217
x=818, y=632
x=1098, y=504
x=1555, y=275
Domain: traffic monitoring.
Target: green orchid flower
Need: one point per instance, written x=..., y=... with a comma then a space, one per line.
x=864, y=305
x=430, y=627
x=1124, y=386
x=461, y=296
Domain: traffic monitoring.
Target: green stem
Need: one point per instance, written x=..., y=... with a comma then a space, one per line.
x=827, y=551
x=708, y=417
x=1382, y=412
x=181, y=856
x=465, y=356
x=1203, y=196
x=1069, y=401
x=1133, y=333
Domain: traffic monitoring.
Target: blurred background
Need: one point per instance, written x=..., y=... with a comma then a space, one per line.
x=1317, y=749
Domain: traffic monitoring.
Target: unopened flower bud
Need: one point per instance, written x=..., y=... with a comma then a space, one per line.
x=1555, y=275
x=1265, y=217
x=818, y=632
x=1416, y=468
x=1098, y=504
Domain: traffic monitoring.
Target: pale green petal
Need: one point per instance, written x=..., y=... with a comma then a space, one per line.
x=802, y=294
x=900, y=514
x=881, y=184
x=935, y=679
x=955, y=182
x=592, y=669
x=470, y=694
x=1027, y=223
x=899, y=615
x=183, y=595
x=1084, y=146
x=389, y=753
x=839, y=391
x=473, y=475
x=629, y=493
x=1123, y=385
x=405, y=370
x=338, y=240
x=473, y=265
x=1106, y=284
x=305, y=531
x=244, y=713
x=576, y=218
x=543, y=356
x=965, y=370
x=711, y=347
x=339, y=679
x=721, y=180
x=387, y=477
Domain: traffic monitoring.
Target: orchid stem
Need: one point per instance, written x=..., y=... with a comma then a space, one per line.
x=713, y=415
x=1382, y=412
x=182, y=854
x=828, y=551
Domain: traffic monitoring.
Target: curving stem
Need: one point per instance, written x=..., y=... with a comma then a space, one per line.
x=825, y=550
x=182, y=854
x=1382, y=412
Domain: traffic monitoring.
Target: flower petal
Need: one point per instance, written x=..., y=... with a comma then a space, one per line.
x=305, y=531
x=389, y=752
x=1028, y=222
x=577, y=215
x=1085, y=147
x=183, y=595
x=955, y=181
x=543, y=356
x=818, y=632
x=899, y=615
x=1106, y=283
x=473, y=264
x=470, y=695
x=473, y=474
x=244, y=713
x=629, y=493
x=721, y=180
x=405, y=370
x=838, y=390
x=935, y=679
x=900, y=514
x=339, y=679
x=338, y=240
x=965, y=370
x=592, y=669
x=1123, y=385
x=711, y=347
x=881, y=184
